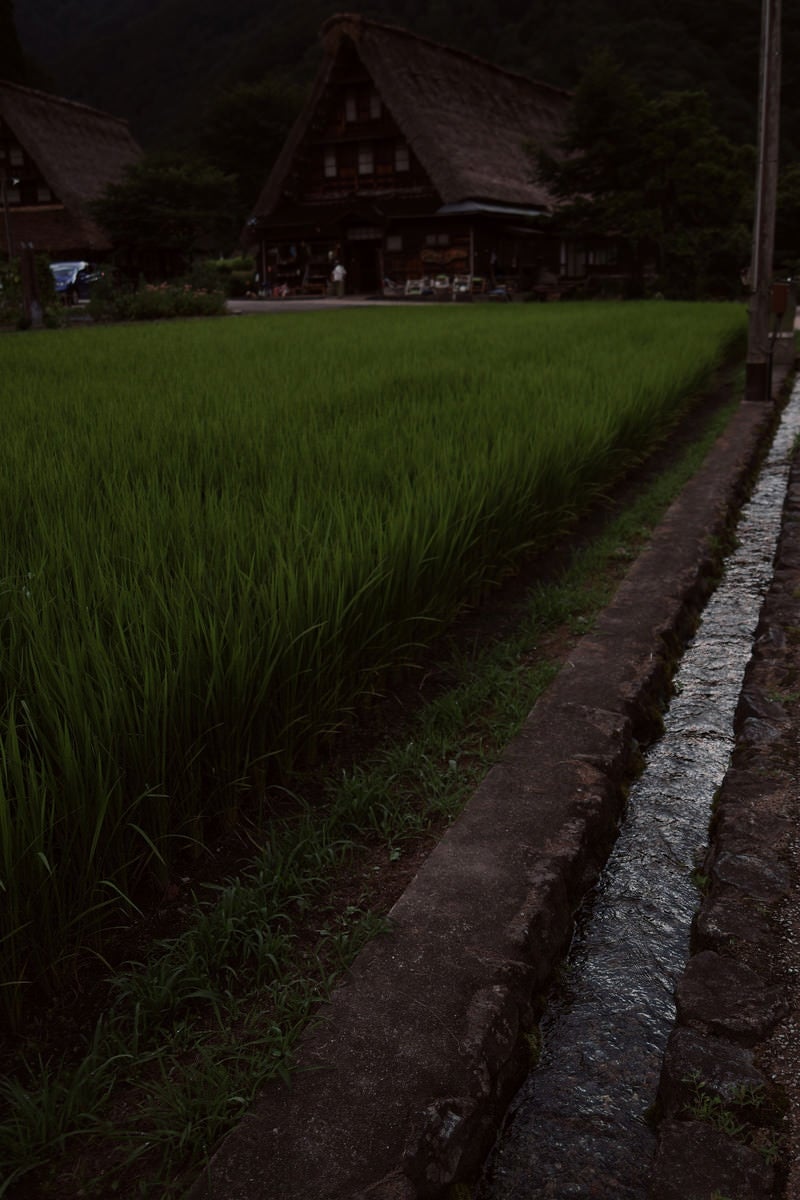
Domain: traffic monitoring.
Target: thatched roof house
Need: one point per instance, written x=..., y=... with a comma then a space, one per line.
x=406, y=146
x=55, y=157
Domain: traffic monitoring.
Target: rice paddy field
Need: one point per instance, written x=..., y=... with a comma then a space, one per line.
x=218, y=537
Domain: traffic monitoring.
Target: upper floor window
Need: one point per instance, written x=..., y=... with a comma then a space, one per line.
x=402, y=160
x=366, y=159
x=15, y=156
x=330, y=162
x=374, y=105
x=350, y=107
x=43, y=194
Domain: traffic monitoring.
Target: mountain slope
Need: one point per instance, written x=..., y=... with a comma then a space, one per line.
x=13, y=64
x=157, y=62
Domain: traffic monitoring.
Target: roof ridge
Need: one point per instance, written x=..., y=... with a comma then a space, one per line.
x=63, y=100
x=359, y=19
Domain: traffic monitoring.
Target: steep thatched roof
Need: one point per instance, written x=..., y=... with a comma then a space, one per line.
x=78, y=151
x=468, y=121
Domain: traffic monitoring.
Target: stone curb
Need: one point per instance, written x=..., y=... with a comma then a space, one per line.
x=736, y=990
x=404, y=1079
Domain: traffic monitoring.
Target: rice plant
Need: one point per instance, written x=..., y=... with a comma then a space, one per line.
x=134, y=1101
x=219, y=535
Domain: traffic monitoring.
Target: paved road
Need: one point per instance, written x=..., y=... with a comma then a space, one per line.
x=311, y=304
x=317, y=303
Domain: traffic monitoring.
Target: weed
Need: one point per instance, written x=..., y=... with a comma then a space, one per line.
x=713, y=1110
x=701, y=881
x=533, y=1039
x=733, y=1114
x=769, y=1146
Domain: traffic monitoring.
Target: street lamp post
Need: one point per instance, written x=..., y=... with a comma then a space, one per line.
x=757, y=382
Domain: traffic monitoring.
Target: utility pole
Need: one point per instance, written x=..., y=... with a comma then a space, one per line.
x=757, y=377
x=4, y=182
x=31, y=302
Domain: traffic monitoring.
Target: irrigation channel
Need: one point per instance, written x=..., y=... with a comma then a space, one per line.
x=578, y=1126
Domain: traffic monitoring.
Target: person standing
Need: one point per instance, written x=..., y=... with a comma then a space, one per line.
x=338, y=277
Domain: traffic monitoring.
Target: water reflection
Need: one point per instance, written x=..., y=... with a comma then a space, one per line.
x=578, y=1126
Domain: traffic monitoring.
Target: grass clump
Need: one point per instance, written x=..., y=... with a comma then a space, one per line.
x=737, y=1113
x=155, y=302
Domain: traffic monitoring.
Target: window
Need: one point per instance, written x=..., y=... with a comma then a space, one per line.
x=374, y=105
x=350, y=107
x=43, y=194
x=330, y=162
x=437, y=239
x=402, y=160
x=15, y=156
x=13, y=195
x=394, y=242
x=364, y=233
x=602, y=256
x=366, y=160
x=573, y=259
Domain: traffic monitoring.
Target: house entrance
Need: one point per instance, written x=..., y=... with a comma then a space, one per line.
x=362, y=260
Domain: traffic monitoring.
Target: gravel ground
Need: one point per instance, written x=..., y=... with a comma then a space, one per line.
x=739, y=1000
x=781, y=1053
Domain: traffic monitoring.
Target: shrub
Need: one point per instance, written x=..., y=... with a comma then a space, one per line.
x=155, y=302
x=234, y=276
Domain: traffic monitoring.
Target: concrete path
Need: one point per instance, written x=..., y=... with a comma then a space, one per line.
x=311, y=304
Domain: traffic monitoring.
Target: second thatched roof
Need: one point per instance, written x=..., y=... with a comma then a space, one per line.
x=78, y=151
x=470, y=123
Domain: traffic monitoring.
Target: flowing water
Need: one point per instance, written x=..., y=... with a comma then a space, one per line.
x=578, y=1125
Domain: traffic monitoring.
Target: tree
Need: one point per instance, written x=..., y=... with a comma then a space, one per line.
x=12, y=61
x=787, y=224
x=657, y=174
x=244, y=132
x=166, y=210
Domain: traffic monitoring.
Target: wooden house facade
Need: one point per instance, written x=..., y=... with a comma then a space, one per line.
x=56, y=156
x=411, y=164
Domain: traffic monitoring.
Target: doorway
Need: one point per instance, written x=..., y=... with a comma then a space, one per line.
x=363, y=266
